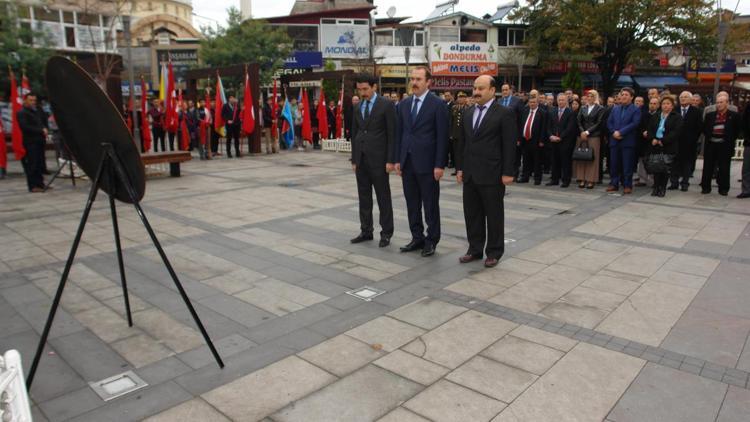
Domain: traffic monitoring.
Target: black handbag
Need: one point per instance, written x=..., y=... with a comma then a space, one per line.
x=658, y=162
x=583, y=152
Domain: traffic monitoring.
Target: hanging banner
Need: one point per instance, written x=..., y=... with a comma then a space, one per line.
x=463, y=58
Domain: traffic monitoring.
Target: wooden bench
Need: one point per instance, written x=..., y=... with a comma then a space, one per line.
x=174, y=158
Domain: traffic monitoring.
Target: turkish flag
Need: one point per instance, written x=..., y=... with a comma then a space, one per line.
x=248, y=108
x=307, y=133
x=322, y=115
x=15, y=132
x=274, y=116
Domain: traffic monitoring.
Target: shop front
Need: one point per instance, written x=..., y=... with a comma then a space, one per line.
x=455, y=65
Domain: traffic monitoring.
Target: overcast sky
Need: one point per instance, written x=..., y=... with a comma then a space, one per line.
x=215, y=10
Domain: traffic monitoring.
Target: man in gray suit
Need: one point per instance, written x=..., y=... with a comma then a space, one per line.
x=373, y=153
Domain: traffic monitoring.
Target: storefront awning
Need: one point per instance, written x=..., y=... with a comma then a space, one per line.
x=659, y=81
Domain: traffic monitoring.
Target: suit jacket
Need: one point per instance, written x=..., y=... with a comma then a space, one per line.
x=32, y=122
x=592, y=121
x=231, y=113
x=490, y=152
x=516, y=105
x=671, y=137
x=625, y=119
x=566, y=128
x=538, y=126
x=746, y=122
x=425, y=139
x=732, y=127
x=692, y=127
x=374, y=139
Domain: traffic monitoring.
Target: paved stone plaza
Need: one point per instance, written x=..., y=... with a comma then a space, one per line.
x=603, y=308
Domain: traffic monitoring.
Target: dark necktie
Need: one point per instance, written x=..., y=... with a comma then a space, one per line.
x=367, y=109
x=479, y=119
x=684, y=112
x=414, y=110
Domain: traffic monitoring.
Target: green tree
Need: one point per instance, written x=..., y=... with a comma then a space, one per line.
x=251, y=41
x=331, y=87
x=573, y=79
x=21, y=48
x=616, y=33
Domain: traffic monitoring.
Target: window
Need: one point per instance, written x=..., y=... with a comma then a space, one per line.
x=473, y=35
x=419, y=38
x=361, y=22
x=304, y=38
x=384, y=37
x=328, y=21
x=443, y=33
x=24, y=12
x=46, y=14
x=88, y=19
x=68, y=17
x=511, y=36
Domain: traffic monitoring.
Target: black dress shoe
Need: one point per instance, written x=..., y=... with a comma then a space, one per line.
x=705, y=191
x=551, y=183
x=565, y=185
x=362, y=238
x=384, y=241
x=684, y=188
x=537, y=182
x=414, y=245
x=723, y=193
x=469, y=258
x=524, y=180
x=743, y=195
x=428, y=250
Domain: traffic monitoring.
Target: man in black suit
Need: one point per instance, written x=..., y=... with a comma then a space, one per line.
x=721, y=129
x=692, y=127
x=231, y=115
x=531, y=142
x=34, y=129
x=510, y=101
x=560, y=139
x=486, y=156
x=373, y=141
x=421, y=145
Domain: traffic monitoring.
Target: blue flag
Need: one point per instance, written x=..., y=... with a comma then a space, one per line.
x=287, y=129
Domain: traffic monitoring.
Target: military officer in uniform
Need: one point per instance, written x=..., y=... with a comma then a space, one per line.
x=455, y=128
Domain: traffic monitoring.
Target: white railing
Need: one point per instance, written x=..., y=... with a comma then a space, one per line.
x=338, y=145
x=739, y=150
x=14, y=401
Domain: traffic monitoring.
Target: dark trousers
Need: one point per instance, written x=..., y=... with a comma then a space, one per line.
x=533, y=156
x=451, y=151
x=604, y=158
x=562, y=165
x=621, y=160
x=421, y=190
x=485, y=219
x=683, y=165
x=233, y=134
x=717, y=153
x=746, y=169
x=214, y=142
x=171, y=136
x=377, y=178
x=660, y=181
x=158, y=135
x=33, y=163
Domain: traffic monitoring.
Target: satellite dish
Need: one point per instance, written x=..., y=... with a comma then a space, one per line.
x=391, y=12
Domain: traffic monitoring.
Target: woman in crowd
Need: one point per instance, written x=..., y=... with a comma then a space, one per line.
x=590, y=122
x=663, y=131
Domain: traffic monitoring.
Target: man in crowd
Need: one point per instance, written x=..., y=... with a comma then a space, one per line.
x=34, y=128
x=421, y=143
x=486, y=165
x=690, y=131
x=721, y=130
x=623, y=125
x=269, y=139
x=644, y=179
x=746, y=154
x=531, y=143
x=156, y=117
x=373, y=151
x=331, y=114
x=560, y=139
x=348, y=113
x=509, y=100
x=231, y=115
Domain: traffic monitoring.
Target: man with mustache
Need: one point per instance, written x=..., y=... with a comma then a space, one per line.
x=486, y=156
x=421, y=145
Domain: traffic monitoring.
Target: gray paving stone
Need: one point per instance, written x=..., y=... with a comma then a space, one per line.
x=736, y=405
x=491, y=378
x=36, y=313
x=523, y=354
x=89, y=356
x=386, y=333
x=191, y=410
x=693, y=369
x=139, y=404
x=23, y=294
x=227, y=346
x=71, y=404
x=400, y=414
x=366, y=394
x=286, y=324
x=298, y=341
x=726, y=291
x=411, y=367
x=427, y=313
x=272, y=388
x=664, y=394
x=163, y=370
x=446, y=401
x=341, y=355
x=346, y=320
x=237, y=310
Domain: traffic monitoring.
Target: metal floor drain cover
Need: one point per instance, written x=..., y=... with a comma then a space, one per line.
x=509, y=240
x=366, y=293
x=118, y=385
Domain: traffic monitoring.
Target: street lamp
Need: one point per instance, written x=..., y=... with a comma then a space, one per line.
x=407, y=36
x=131, y=79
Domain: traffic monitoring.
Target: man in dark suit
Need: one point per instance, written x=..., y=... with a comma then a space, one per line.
x=510, y=101
x=560, y=139
x=721, y=130
x=230, y=112
x=486, y=164
x=531, y=142
x=373, y=141
x=746, y=154
x=623, y=125
x=421, y=144
x=692, y=127
x=34, y=128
